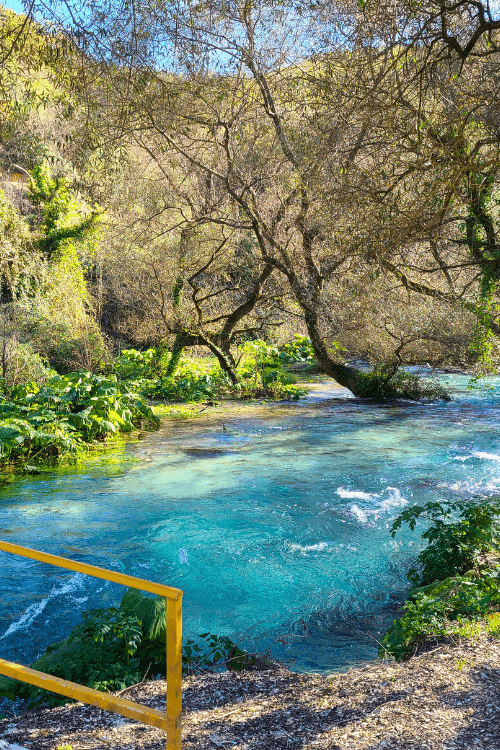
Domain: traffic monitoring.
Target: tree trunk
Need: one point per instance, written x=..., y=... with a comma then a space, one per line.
x=225, y=361
x=175, y=357
x=345, y=375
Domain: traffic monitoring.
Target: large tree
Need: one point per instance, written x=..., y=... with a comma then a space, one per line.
x=331, y=135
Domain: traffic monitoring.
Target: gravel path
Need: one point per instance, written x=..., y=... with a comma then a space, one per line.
x=447, y=699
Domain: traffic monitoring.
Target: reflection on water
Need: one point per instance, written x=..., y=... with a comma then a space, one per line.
x=273, y=523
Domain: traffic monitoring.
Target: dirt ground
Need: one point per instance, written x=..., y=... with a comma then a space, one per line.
x=447, y=699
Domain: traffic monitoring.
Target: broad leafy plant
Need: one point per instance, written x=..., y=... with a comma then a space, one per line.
x=298, y=350
x=457, y=574
x=67, y=414
x=453, y=545
x=261, y=371
x=120, y=646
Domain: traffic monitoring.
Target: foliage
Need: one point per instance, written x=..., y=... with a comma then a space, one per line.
x=453, y=546
x=21, y=364
x=57, y=312
x=42, y=274
x=299, y=349
x=64, y=216
x=132, y=364
x=16, y=248
x=440, y=611
x=66, y=415
x=261, y=370
x=186, y=385
x=193, y=380
x=103, y=649
x=117, y=647
x=68, y=348
x=456, y=587
x=382, y=384
x=212, y=651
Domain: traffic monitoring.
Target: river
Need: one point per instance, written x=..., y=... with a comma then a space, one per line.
x=273, y=520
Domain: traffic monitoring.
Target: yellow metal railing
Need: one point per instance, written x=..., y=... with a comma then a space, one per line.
x=170, y=720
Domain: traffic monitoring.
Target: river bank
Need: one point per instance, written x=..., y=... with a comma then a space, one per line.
x=446, y=699
x=299, y=495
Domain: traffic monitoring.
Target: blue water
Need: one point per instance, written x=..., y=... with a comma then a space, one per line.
x=273, y=522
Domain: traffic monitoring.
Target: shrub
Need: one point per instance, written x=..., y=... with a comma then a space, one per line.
x=261, y=372
x=453, y=546
x=382, y=385
x=117, y=647
x=456, y=586
x=68, y=349
x=439, y=611
x=21, y=364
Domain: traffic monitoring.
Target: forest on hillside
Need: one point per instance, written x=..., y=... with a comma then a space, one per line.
x=181, y=178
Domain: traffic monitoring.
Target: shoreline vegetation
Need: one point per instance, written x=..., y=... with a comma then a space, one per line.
x=60, y=416
x=455, y=599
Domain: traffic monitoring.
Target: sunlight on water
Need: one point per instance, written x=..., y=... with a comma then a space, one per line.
x=273, y=523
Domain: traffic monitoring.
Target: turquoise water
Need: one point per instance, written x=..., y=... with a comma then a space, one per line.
x=274, y=523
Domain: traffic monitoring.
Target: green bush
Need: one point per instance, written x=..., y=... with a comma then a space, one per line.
x=44, y=423
x=261, y=372
x=439, y=612
x=21, y=364
x=457, y=584
x=67, y=349
x=382, y=385
x=453, y=546
x=117, y=647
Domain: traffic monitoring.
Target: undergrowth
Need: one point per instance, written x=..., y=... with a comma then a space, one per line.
x=260, y=371
x=382, y=384
x=117, y=647
x=456, y=577
x=41, y=424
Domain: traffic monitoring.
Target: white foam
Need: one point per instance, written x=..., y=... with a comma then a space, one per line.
x=361, y=515
x=382, y=504
x=471, y=487
x=34, y=610
x=395, y=499
x=487, y=456
x=183, y=556
x=355, y=494
x=309, y=548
